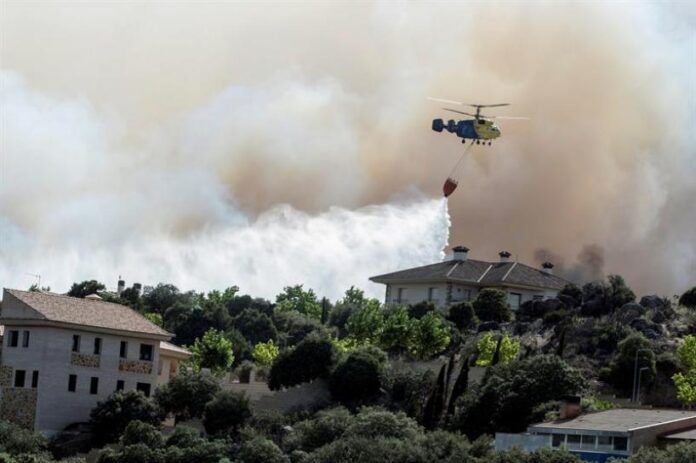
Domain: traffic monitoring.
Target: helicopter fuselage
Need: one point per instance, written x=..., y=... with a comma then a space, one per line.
x=469, y=129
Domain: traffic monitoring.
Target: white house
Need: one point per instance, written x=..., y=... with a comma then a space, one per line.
x=460, y=279
x=61, y=355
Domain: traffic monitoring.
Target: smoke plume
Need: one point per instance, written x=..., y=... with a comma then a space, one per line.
x=172, y=142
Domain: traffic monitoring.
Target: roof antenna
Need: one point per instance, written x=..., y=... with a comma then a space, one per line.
x=38, y=278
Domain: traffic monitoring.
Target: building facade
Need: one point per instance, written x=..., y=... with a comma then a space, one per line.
x=461, y=278
x=600, y=436
x=61, y=355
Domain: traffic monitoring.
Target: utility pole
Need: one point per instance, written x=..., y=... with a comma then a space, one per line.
x=636, y=374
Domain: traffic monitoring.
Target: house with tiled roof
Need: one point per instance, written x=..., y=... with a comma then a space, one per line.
x=61, y=355
x=460, y=278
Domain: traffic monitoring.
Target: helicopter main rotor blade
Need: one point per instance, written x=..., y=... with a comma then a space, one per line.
x=459, y=112
x=488, y=105
x=518, y=118
x=442, y=100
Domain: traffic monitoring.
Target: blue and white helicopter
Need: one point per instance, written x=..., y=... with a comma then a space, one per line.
x=480, y=130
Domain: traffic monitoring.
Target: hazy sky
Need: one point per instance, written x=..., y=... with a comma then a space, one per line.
x=223, y=134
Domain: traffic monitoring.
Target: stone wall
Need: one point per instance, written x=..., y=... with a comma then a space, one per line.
x=19, y=406
x=5, y=376
x=85, y=360
x=135, y=366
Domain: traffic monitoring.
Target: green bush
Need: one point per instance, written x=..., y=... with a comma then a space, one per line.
x=507, y=397
x=310, y=359
x=138, y=432
x=261, y=450
x=186, y=394
x=15, y=440
x=111, y=416
x=184, y=436
x=226, y=413
x=620, y=373
x=373, y=422
x=358, y=378
x=325, y=427
x=491, y=305
x=688, y=299
x=462, y=315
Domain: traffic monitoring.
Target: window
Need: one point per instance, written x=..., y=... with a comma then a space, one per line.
x=97, y=346
x=13, y=339
x=72, y=383
x=94, y=385
x=123, y=353
x=120, y=385
x=515, y=300
x=400, y=295
x=146, y=352
x=573, y=441
x=144, y=388
x=35, y=379
x=538, y=297
x=620, y=443
x=19, y=378
x=25, y=339
x=432, y=294
x=76, y=343
x=558, y=440
x=587, y=442
x=604, y=443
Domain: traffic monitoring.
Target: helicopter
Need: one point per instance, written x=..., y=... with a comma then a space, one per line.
x=480, y=130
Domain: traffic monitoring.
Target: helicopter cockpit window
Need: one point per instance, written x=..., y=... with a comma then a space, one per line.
x=481, y=121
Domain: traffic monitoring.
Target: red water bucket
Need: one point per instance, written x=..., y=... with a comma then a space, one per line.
x=449, y=187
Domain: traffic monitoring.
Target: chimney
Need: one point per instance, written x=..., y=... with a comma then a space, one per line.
x=460, y=253
x=570, y=407
x=504, y=256
x=121, y=286
x=138, y=288
x=547, y=267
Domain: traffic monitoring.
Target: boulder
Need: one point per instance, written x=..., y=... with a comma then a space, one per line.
x=629, y=312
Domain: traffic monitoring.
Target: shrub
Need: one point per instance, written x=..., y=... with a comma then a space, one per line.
x=265, y=352
x=255, y=326
x=376, y=422
x=462, y=315
x=431, y=336
x=310, y=359
x=688, y=299
x=508, y=395
x=138, y=432
x=186, y=394
x=621, y=370
x=325, y=427
x=261, y=450
x=111, y=416
x=213, y=351
x=491, y=305
x=226, y=413
x=15, y=440
x=420, y=309
x=184, y=436
x=358, y=378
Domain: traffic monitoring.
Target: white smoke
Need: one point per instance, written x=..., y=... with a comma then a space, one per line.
x=77, y=202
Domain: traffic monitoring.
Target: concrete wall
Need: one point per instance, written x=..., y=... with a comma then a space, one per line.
x=305, y=396
x=49, y=353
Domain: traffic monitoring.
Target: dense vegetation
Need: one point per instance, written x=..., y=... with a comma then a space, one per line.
x=398, y=375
